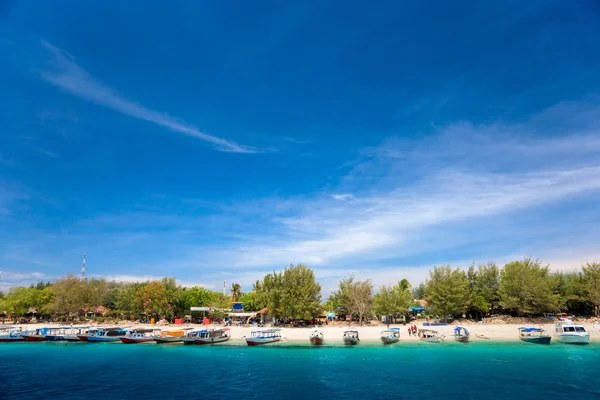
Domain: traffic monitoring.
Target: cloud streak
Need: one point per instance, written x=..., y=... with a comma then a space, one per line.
x=72, y=78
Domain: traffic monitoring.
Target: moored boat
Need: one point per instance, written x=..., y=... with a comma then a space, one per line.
x=38, y=335
x=213, y=336
x=461, y=334
x=351, y=337
x=390, y=336
x=190, y=337
x=9, y=334
x=139, y=335
x=113, y=334
x=66, y=333
x=567, y=332
x=316, y=337
x=430, y=336
x=534, y=335
x=264, y=336
x=171, y=336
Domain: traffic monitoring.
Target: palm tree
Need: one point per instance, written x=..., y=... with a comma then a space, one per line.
x=403, y=285
x=236, y=291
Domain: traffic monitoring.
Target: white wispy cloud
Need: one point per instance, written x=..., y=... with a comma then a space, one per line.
x=344, y=196
x=69, y=76
x=145, y=278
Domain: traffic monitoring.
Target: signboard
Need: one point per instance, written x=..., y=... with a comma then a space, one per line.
x=237, y=306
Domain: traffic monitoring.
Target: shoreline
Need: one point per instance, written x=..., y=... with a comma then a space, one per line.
x=368, y=334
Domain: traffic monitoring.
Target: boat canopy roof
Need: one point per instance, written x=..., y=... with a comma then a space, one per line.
x=523, y=329
x=350, y=330
x=272, y=330
x=144, y=330
x=394, y=329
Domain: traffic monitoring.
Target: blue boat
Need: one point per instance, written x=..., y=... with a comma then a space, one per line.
x=534, y=335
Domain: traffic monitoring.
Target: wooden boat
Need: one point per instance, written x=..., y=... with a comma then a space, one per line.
x=85, y=334
x=461, y=334
x=390, y=336
x=139, y=335
x=107, y=335
x=351, y=337
x=430, y=336
x=39, y=335
x=316, y=337
x=264, y=336
x=534, y=335
x=66, y=333
x=567, y=332
x=172, y=336
x=10, y=334
x=213, y=336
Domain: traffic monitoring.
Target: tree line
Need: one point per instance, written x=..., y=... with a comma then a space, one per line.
x=525, y=288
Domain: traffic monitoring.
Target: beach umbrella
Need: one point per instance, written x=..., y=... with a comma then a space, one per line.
x=417, y=308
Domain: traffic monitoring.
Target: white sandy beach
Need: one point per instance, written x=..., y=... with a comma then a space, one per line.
x=334, y=333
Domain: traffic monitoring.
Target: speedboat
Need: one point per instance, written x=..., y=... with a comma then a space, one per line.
x=264, y=336
x=316, y=337
x=567, y=332
x=430, y=336
x=534, y=335
x=390, y=336
x=107, y=335
x=351, y=337
x=139, y=335
x=461, y=334
x=213, y=336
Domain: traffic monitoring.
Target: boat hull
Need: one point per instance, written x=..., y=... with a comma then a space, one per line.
x=34, y=338
x=212, y=340
x=83, y=338
x=258, y=342
x=103, y=339
x=128, y=340
x=537, y=340
x=574, y=339
x=168, y=339
x=462, y=339
x=387, y=340
x=72, y=338
x=351, y=341
x=431, y=340
x=55, y=338
x=316, y=340
x=11, y=339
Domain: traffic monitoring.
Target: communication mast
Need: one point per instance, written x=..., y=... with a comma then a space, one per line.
x=224, y=287
x=83, y=267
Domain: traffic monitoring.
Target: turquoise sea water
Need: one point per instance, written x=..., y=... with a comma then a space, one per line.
x=404, y=370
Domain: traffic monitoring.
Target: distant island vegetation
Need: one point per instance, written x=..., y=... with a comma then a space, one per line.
x=523, y=288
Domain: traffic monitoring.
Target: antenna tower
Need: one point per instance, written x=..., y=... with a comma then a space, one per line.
x=83, y=266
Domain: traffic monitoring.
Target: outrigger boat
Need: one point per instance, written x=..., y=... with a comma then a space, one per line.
x=10, y=334
x=351, y=337
x=428, y=335
x=83, y=336
x=264, y=336
x=534, y=335
x=139, y=335
x=190, y=337
x=390, y=336
x=461, y=334
x=565, y=331
x=213, y=336
x=38, y=335
x=107, y=335
x=316, y=337
x=172, y=336
x=66, y=333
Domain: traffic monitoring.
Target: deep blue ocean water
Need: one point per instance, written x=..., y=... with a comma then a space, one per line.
x=405, y=370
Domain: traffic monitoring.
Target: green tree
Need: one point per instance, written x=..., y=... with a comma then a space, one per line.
x=236, y=291
x=591, y=278
x=354, y=297
x=392, y=301
x=447, y=290
x=152, y=298
x=419, y=292
x=69, y=296
x=526, y=287
x=251, y=302
x=270, y=291
x=301, y=293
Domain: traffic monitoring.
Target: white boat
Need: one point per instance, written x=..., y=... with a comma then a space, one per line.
x=264, y=336
x=567, y=332
x=316, y=337
x=351, y=337
x=213, y=336
x=107, y=335
x=11, y=334
x=190, y=337
x=390, y=336
x=140, y=335
x=430, y=336
x=67, y=333
x=172, y=336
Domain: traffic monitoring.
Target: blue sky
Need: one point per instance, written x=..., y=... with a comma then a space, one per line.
x=222, y=141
